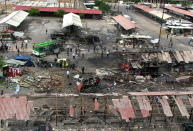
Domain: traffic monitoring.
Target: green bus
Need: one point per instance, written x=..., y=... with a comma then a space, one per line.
x=47, y=48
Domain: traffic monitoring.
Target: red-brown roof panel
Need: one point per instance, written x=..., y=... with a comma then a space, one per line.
x=11, y=106
x=144, y=8
x=185, y=12
x=51, y=9
x=124, y=22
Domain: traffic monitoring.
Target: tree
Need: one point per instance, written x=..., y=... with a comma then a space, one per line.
x=81, y=15
x=102, y=5
x=135, y=1
x=60, y=13
x=2, y=63
x=34, y=11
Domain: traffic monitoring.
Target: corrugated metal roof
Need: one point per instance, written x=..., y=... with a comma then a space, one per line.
x=125, y=108
x=159, y=14
x=144, y=8
x=12, y=106
x=165, y=106
x=181, y=107
x=71, y=112
x=153, y=12
x=96, y=104
x=159, y=93
x=71, y=19
x=191, y=101
x=184, y=12
x=124, y=22
x=51, y=9
x=15, y=18
x=144, y=105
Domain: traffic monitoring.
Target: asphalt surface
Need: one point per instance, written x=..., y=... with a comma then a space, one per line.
x=151, y=27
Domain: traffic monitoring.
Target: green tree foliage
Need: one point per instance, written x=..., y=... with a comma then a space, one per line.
x=81, y=15
x=2, y=63
x=136, y=1
x=102, y=6
x=60, y=13
x=34, y=11
x=125, y=0
x=180, y=2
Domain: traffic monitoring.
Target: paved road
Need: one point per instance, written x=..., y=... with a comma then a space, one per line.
x=149, y=26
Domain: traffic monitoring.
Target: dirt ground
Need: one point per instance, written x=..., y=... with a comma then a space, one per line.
x=54, y=79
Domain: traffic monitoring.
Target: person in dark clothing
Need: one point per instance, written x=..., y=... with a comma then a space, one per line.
x=46, y=31
x=18, y=52
x=73, y=66
x=83, y=70
x=56, y=55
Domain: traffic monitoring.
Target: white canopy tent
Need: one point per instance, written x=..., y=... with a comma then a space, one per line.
x=15, y=18
x=71, y=19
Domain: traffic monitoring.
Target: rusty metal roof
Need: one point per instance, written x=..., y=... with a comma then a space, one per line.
x=165, y=106
x=144, y=8
x=12, y=106
x=144, y=105
x=181, y=107
x=124, y=22
x=125, y=108
x=51, y=9
x=184, y=12
x=159, y=93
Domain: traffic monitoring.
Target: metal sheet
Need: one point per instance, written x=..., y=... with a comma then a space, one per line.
x=11, y=106
x=181, y=107
x=144, y=106
x=165, y=106
x=96, y=104
x=124, y=22
x=125, y=108
x=71, y=19
x=184, y=12
x=159, y=93
x=51, y=9
x=144, y=8
x=159, y=14
x=71, y=112
x=15, y=18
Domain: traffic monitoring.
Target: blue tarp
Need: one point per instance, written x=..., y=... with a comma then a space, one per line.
x=29, y=63
x=22, y=58
x=25, y=58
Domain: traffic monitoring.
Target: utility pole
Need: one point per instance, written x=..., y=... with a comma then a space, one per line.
x=6, y=7
x=161, y=24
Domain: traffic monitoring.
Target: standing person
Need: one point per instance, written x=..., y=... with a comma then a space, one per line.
x=22, y=45
x=78, y=52
x=16, y=46
x=73, y=55
x=46, y=31
x=18, y=52
x=107, y=53
x=56, y=55
x=68, y=52
x=167, y=35
x=68, y=74
x=94, y=48
x=88, y=48
x=83, y=70
x=26, y=45
x=70, y=48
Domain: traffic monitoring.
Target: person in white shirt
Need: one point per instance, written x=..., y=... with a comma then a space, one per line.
x=68, y=74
